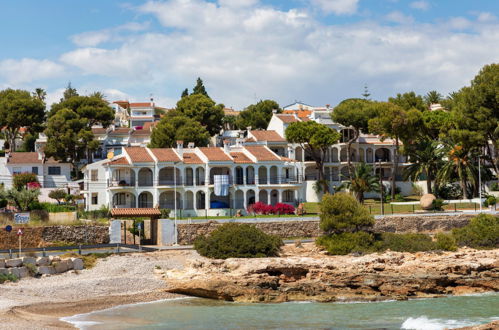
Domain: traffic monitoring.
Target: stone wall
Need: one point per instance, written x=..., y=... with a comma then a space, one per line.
x=46, y=236
x=29, y=266
x=187, y=233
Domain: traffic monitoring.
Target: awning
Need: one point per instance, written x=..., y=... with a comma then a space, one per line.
x=136, y=212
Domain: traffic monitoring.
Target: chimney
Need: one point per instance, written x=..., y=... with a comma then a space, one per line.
x=291, y=152
x=41, y=154
x=152, y=101
x=327, y=106
x=180, y=148
x=226, y=146
x=191, y=145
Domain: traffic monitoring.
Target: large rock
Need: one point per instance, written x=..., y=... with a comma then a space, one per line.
x=13, y=262
x=4, y=271
x=42, y=261
x=23, y=272
x=426, y=201
x=2, y=263
x=391, y=275
x=77, y=263
x=60, y=266
x=29, y=260
x=45, y=270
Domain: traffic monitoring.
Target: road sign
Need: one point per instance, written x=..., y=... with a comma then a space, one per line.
x=8, y=228
x=21, y=218
x=20, y=232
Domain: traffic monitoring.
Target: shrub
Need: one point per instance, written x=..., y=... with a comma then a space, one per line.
x=3, y=203
x=481, y=232
x=438, y=204
x=281, y=208
x=494, y=186
x=260, y=208
x=342, y=212
x=232, y=240
x=165, y=213
x=448, y=191
x=345, y=243
x=21, y=180
x=8, y=278
x=446, y=242
x=58, y=195
x=407, y=242
x=399, y=198
x=490, y=201
x=49, y=207
x=103, y=212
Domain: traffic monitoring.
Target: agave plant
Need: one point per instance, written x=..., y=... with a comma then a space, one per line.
x=362, y=180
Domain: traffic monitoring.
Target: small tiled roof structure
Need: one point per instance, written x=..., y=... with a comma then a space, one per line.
x=215, y=154
x=120, y=131
x=240, y=158
x=300, y=113
x=139, y=155
x=262, y=153
x=99, y=130
x=136, y=212
x=192, y=158
x=141, y=105
x=119, y=161
x=165, y=154
x=270, y=136
x=288, y=118
x=29, y=158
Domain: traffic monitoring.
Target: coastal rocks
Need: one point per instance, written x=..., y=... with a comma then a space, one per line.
x=391, y=275
x=26, y=266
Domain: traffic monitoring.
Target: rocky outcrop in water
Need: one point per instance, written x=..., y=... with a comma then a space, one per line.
x=391, y=275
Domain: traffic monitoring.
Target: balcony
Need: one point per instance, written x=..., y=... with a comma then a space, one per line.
x=121, y=183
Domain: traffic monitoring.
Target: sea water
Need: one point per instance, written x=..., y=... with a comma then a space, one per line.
x=195, y=313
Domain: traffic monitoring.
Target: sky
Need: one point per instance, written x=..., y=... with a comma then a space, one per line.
x=315, y=51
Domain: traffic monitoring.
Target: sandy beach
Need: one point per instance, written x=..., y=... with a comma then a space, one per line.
x=116, y=280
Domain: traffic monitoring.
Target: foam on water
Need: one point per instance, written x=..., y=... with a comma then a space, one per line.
x=424, y=323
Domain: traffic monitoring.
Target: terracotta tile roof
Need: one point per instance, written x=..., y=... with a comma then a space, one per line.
x=136, y=212
x=165, y=154
x=250, y=139
x=240, y=158
x=300, y=113
x=28, y=158
x=270, y=136
x=119, y=161
x=286, y=159
x=191, y=158
x=288, y=118
x=305, y=119
x=215, y=154
x=99, y=130
x=139, y=155
x=141, y=132
x=231, y=112
x=140, y=105
x=120, y=131
x=262, y=153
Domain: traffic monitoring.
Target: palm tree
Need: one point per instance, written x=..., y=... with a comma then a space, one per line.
x=40, y=94
x=426, y=158
x=433, y=97
x=459, y=163
x=361, y=181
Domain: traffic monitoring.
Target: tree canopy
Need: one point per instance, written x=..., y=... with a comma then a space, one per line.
x=199, y=88
x=408, y=101
x=257, y=116
x=175, y=126
x=202, y=109
x=19, y=108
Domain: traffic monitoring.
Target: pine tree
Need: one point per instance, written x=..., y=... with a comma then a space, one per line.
x=366, y=93
x=199, y=88
x=69, y=92
x=185, y=93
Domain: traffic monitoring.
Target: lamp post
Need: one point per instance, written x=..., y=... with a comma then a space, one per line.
x=175, y=199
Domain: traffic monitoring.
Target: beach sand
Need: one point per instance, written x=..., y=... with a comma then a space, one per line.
x=116, y=280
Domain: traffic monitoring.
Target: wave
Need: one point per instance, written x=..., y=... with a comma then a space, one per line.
x=424, y=323
x=78, y=320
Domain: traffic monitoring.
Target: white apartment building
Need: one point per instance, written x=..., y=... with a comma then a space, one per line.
x=157, y=177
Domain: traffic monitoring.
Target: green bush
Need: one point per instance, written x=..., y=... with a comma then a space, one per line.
x=8, y=278
x=407, y=242
x=438, y=204
x=3, y=203
x=345, y=243
x=49, y=207
x=446, y=242
x=481, y=232
x=232, y=240
x=58, y=195
x=494, y=186
x=490, y=201
x=341, y=212
x=103, y=212
x=165, y=213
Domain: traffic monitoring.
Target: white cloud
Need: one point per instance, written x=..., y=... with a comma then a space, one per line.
x=421, y=5
x=459, y=23
x=238, y=3
x=486, y=17
x=255, y=52
x=27, y=70
x=338, y=7
x=95, y=38
x=399, y=17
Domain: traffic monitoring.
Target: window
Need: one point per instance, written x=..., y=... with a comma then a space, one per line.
x=54, y=170
x=95, y=199
x=17, y=170
x=34, y=170
x=94, y=175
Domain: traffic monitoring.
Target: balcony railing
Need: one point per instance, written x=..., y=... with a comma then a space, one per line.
x=170, y=182
x=121, y=183
x=280, y=180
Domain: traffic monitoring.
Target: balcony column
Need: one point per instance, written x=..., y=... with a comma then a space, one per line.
x=244, y=199
x=155, y=175
x=257, y=195
x=155, y=198
x=207, y=198
x=207, y=175
x=279, y=195
x=136, y=177
x=279, y=174
x=194, y=177
x=268, y=174
x=244, y=175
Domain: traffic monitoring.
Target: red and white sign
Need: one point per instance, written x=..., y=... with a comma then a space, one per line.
x=20, y=232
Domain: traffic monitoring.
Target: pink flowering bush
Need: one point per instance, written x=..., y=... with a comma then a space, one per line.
x=279, y=208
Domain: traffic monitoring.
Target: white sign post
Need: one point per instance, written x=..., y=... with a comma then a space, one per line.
x=20, y=234
x=21, y=218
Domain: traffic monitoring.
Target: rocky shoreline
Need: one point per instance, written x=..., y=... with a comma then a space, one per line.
x=312, y=276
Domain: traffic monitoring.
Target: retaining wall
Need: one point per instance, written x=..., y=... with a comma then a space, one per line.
x=47, y=236
x=187, y=233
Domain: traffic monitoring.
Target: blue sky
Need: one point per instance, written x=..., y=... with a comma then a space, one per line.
x=316, y=51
